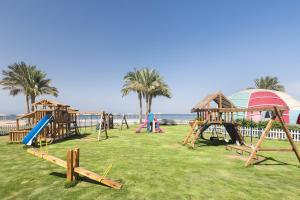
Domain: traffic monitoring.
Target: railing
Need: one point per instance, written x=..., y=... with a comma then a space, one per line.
x=17, y=136
x=5, y=129
x=276, y=134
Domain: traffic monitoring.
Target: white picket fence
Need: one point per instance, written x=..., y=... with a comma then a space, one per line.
x=276, y=134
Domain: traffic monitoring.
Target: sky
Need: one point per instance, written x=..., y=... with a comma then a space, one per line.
x=199, y=47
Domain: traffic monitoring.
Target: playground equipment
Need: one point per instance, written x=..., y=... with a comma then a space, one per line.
x=251, y=98
x=223, y=114
x=104, y=122
x=50, y=121
x=124, y=122
x=151, y=123
x=73, y=168
x=102, y=125
x=87, y=119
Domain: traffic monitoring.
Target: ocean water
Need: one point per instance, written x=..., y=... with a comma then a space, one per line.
x=128, y=116
x=136, y=116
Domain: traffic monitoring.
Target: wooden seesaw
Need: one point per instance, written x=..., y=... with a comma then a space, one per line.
x=73, y=169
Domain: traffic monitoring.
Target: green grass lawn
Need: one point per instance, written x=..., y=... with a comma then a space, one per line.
x=151, y=166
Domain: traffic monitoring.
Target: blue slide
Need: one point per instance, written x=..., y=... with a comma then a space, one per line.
x=28, y=139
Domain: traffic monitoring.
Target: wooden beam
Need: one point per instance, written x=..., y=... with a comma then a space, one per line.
x=241, y=148
x=264, y=134
x=98, y=178
x=275, y=149
x=288, y=134
x=79, y=170
x=224, y=110
x=49, y=158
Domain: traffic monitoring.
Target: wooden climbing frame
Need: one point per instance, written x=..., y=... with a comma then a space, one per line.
x=224, y=114
x=63, y=125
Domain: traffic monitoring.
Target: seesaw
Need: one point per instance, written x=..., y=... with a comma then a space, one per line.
x=73, y=169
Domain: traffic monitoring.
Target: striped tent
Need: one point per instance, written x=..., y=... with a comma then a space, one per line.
x=255, y=98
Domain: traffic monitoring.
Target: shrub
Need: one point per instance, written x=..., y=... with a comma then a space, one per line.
x=262, y=124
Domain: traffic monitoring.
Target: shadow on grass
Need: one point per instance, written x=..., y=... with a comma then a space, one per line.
x=206, y=142
x=277, y=162
x=72, y=137
x=82, y=178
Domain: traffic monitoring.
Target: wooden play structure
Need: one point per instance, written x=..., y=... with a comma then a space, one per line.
x=73, y=168
x=104, y=122
x=124, y=122
x=63, y=122
x=223, y=113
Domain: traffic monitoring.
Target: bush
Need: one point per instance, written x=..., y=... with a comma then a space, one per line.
x=262, y=124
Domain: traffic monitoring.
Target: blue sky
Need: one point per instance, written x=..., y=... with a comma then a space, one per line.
x=199, y=47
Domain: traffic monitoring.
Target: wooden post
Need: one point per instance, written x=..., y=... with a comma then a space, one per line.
x=263, y=135
x=76, y=162
x=288, y=134
x=70, y=169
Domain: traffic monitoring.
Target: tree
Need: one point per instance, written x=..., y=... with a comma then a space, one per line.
x=28, y=80
x=15, y=80
x=40, y=85
x=132, y=83
x=153, y=86
x=268, y=82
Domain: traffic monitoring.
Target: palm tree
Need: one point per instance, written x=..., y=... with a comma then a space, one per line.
x=132, y=83
x=40, y=85
x=26, y=79
x=162, y=90
x=268, y=82
x=15, y=80
x=153, y=86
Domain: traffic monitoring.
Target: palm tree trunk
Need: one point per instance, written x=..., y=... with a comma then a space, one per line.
x=141, y=107
x=32, y=98
x=147, y=104
x=148, y=99
x=150, y=103
x=27, y=107
x=27, y=104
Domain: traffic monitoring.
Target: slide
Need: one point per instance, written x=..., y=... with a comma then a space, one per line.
x=28, y=139
x=157, y=127
x=142, y=125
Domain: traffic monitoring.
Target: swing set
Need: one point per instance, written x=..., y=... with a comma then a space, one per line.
x=224, y=115
x=102, y=123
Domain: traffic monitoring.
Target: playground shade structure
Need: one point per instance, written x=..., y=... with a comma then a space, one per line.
x=256, y=98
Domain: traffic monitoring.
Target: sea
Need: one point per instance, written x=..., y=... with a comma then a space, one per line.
x=130, y=116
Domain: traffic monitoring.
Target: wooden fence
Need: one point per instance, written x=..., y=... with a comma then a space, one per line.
x=276, y=134
x=5, y=129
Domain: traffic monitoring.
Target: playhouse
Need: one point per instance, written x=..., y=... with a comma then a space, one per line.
x=49, y=121
x=257, y=98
